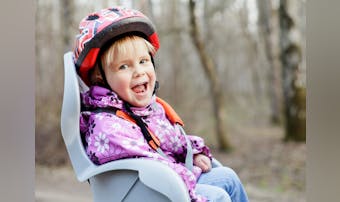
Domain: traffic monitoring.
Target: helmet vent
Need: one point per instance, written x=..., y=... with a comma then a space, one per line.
x=92, y=17
x=114, y=10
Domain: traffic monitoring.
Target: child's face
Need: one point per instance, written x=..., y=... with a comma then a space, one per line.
x=131, y=74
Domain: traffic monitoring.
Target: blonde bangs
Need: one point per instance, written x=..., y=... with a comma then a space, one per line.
x=124, y=46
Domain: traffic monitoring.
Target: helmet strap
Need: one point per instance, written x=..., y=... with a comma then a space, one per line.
x=157, y=83
x=156, y=87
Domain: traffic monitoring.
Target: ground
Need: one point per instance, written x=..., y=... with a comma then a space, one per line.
x=272, y=171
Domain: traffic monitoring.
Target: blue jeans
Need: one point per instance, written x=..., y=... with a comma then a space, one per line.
x=221, y=184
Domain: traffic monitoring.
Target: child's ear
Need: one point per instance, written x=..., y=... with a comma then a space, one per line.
x=99, y=80
x=95, y=77
x=98, y=77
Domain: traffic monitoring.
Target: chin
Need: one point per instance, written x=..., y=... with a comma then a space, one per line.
x=143, y=103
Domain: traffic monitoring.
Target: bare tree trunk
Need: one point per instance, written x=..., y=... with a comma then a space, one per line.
x=294, y=94
x=215, y=86
x=254, y=53
x=176, y=53
x=265, y=24
x=67, y=10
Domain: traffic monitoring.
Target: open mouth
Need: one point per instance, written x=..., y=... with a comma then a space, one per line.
x=140, y=88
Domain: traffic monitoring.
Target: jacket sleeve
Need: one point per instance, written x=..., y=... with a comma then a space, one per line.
x=198, y=146
x=109, y=138
x=177, y=145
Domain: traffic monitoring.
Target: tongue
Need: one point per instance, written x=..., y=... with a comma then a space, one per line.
x=139, y=89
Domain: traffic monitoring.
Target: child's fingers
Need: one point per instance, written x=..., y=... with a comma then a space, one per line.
x=203, y=162
x=207, y=164
x=204, y=165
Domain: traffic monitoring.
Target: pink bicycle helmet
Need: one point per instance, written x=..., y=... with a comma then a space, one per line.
x=100, y=27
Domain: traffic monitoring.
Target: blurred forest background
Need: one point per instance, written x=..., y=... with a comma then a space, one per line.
x=234, y=70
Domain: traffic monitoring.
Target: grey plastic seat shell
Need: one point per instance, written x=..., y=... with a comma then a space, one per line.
x=120, y=180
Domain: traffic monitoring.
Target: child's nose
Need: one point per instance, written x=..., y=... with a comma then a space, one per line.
x=139, y=70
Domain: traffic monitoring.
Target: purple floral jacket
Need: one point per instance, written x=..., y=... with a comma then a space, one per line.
x=109, y=137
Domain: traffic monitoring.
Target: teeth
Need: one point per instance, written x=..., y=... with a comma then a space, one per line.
x=139, y=88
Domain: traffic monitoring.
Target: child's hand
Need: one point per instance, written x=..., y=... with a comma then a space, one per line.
x=203, y=162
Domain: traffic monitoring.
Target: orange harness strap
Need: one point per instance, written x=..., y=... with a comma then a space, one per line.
x=125, y=116
x=170, y=113
x=154, y=142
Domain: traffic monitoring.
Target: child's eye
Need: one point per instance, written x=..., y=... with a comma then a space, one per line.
x=122, y=67
x=142, y=61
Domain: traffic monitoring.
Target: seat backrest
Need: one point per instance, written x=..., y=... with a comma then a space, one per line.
x=112, y=185
x=70, y=120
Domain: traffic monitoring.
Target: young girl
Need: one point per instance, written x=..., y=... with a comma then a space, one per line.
x=121, y=115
